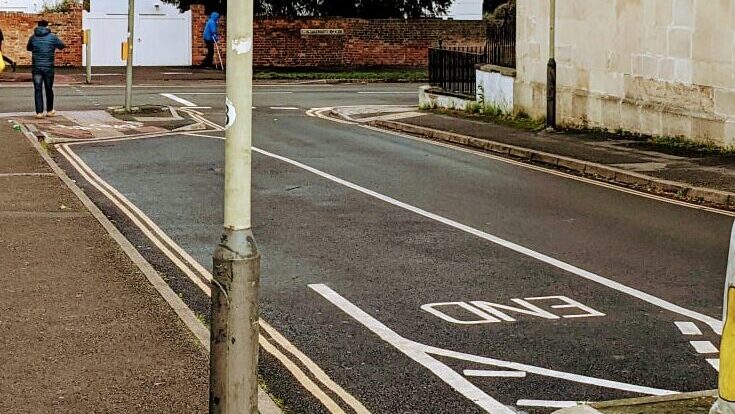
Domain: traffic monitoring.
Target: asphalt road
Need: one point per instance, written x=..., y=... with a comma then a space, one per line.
x=421, y=278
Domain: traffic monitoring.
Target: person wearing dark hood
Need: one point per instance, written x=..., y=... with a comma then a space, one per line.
x=43, y=44
x=210, y=36
x=5, y=58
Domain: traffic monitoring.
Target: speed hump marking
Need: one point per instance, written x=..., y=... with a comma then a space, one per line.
x=481, y=312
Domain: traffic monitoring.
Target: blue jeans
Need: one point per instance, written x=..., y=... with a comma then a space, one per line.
x=43, y=79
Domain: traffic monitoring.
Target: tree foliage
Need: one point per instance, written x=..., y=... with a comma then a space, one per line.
x=369, y=9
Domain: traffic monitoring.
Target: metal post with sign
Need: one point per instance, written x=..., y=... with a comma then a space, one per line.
x=87, y=42
x=129, y=56
x=726, y=401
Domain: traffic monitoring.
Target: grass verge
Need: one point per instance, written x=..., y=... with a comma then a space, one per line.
x=387, y=75
x=493, y=116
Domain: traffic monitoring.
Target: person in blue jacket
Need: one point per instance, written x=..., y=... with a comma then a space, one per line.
x=210, y=36
x=43, y=44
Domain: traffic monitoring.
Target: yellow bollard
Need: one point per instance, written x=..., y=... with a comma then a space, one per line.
x=124, y=51
x=726, y=403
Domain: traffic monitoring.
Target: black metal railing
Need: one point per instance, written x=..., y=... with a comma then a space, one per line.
x=454, y=70
x=501, y=44
x=452, y=67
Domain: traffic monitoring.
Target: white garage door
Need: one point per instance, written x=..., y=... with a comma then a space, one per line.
x=160, y=40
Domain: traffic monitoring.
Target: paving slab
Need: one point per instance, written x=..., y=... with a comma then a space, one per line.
x=84, y=331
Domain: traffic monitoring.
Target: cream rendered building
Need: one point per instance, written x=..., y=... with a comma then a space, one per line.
x=655, y=67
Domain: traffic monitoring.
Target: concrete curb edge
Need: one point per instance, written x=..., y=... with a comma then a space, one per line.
x=592, y=407
x=655, y=399
x=677, y=189
x=185, y=314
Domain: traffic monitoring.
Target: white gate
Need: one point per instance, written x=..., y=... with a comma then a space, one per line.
x=160, y=39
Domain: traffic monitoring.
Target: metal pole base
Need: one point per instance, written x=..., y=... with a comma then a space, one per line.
x=233, y=387
x=723, y=407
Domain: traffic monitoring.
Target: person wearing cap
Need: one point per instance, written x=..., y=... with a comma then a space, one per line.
x=43, y=45
x=5, y=58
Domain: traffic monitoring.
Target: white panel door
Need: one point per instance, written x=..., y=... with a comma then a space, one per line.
x=163, y=40
x=160, y=39
x=108, y=34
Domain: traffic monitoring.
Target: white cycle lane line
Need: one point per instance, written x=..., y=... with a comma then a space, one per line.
x=201, y=278
x=426, y=356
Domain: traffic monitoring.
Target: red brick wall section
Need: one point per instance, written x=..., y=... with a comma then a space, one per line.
x=395, y=42
x=18, y=28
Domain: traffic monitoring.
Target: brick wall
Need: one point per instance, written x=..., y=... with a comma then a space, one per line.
x=395, y=42
x=18, y=27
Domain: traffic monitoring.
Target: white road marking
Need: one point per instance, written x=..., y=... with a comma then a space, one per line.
x=498, y=374
x=178, y=99
x=715, y=324
x=410, y=349
x=387, y=93
x=319, y=113
x=715, y=362
x=704, y=347
x=688, y=328
x=223, y=93
x=160, y=237
x=177, y=73
x=285, y=108
x=546, y=403
x=423, y=355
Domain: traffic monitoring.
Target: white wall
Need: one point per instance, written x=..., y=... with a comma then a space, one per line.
x=465, y=10
x=653, y=67
x=27, y=6
x=495, y=89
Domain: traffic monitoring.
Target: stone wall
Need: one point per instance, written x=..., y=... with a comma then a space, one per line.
x=18, y=27
x=654, y=67
x=279, y=43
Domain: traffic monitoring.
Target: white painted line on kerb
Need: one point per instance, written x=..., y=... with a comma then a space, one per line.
x=715, y=324
x=498, y=374
x=546, y=403
x=704, y=347
x=715, y=362
x=688, y=328
x=178, y=99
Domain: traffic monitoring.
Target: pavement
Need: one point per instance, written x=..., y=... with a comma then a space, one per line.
x=84, y=330
x=663, y=164
x=406, y=275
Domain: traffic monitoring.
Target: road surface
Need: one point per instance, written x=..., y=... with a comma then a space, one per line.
x=402, y=276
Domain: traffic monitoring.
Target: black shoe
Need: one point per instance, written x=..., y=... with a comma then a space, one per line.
x=13, y=65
